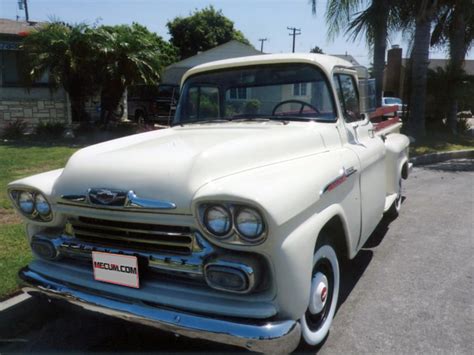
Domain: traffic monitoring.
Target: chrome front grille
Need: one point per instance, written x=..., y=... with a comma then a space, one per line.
x=139, y=236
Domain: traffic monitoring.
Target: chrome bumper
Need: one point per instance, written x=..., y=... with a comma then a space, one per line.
x=266, y=337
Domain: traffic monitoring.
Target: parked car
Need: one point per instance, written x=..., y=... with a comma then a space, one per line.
x=152, y=103
x=232, y=224
x=394, y=101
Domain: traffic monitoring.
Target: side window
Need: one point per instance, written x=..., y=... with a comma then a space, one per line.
x=348, y=96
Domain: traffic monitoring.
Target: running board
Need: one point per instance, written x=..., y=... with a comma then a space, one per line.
x=389, y=200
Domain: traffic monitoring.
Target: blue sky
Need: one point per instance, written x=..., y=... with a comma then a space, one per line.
x=255, y=18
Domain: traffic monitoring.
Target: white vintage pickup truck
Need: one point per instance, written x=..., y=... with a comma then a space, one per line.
x=232, y=224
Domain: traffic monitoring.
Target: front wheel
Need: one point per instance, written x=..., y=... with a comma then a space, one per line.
x=317, y=319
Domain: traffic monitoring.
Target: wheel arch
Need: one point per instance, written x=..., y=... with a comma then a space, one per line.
x=334, y=230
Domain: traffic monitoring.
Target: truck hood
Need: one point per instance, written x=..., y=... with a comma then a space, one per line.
x=172, y=164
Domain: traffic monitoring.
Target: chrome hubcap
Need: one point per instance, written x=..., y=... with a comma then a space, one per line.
x=319, y=293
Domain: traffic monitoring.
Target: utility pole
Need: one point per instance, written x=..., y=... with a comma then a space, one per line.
x=261, y=43
x=23, y=4
x=296, y=32
x=26, y=10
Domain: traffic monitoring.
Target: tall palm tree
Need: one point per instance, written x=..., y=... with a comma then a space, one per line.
x=421, y=13
x=63, y=52
x=454, y=25
x=375, y=21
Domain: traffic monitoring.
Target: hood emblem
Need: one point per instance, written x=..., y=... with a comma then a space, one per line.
x=107, y=197
x=104, y=197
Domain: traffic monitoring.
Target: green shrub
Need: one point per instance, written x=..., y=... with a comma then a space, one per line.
x=15, y=129
x=50, y=129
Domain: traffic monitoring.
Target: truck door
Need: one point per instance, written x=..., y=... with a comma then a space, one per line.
x=370, y=150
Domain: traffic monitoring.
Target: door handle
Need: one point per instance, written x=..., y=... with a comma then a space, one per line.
x=371, y=132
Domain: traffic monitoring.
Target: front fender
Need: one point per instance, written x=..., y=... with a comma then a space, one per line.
x=289, y=196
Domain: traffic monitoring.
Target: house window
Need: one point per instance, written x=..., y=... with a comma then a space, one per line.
x=299, y=89
x=11, y=68
x=238, y=93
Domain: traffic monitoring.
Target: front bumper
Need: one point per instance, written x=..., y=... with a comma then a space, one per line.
x=267, y=337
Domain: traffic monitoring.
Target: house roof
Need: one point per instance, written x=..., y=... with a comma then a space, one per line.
x=347, y=57
x=231, y=49
x=17, y=28
x=441, y=63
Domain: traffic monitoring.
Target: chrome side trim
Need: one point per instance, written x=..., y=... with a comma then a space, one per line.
x=343, y=175
x=266, y=337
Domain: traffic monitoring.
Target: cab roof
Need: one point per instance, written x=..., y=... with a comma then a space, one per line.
x=326, y=62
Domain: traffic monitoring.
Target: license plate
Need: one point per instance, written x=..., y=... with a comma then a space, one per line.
x=115, y=269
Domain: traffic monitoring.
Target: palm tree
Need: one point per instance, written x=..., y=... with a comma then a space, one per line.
x=375, y=21
x=420, y=14
x=63, y=52
x=127, y=55
x=455, y=25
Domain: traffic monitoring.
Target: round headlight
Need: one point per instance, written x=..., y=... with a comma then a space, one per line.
x=249, y=223
x=217, y=220
x=26, y=202
x=42, y=206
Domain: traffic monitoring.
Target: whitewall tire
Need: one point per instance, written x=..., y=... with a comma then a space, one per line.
x=317, y=320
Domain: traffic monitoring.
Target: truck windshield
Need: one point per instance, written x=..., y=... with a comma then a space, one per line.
x=278, y=92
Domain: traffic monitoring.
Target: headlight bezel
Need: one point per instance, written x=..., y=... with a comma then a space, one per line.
x=15, y=192
x=233, y=236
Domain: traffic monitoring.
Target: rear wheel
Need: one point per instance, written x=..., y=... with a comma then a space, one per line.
x=317, y=319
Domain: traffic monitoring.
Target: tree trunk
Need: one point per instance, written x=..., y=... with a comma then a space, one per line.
x=380, y=46
x=77, y=108
x=457, y=53
x=420, y=61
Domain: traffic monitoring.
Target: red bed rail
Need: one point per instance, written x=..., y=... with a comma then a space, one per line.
x=377, y=116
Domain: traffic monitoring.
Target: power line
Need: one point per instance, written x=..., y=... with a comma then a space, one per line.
x=296, y=32
x=261, y=43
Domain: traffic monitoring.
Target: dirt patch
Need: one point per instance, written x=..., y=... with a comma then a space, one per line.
x=8, y=217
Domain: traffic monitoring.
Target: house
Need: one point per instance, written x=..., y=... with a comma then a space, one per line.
x=232, y=49
x=32, y=106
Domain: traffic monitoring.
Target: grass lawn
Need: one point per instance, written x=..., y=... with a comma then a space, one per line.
x=441, y=143
x=17, y=161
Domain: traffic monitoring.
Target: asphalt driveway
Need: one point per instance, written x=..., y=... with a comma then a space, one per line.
x=410, y=290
